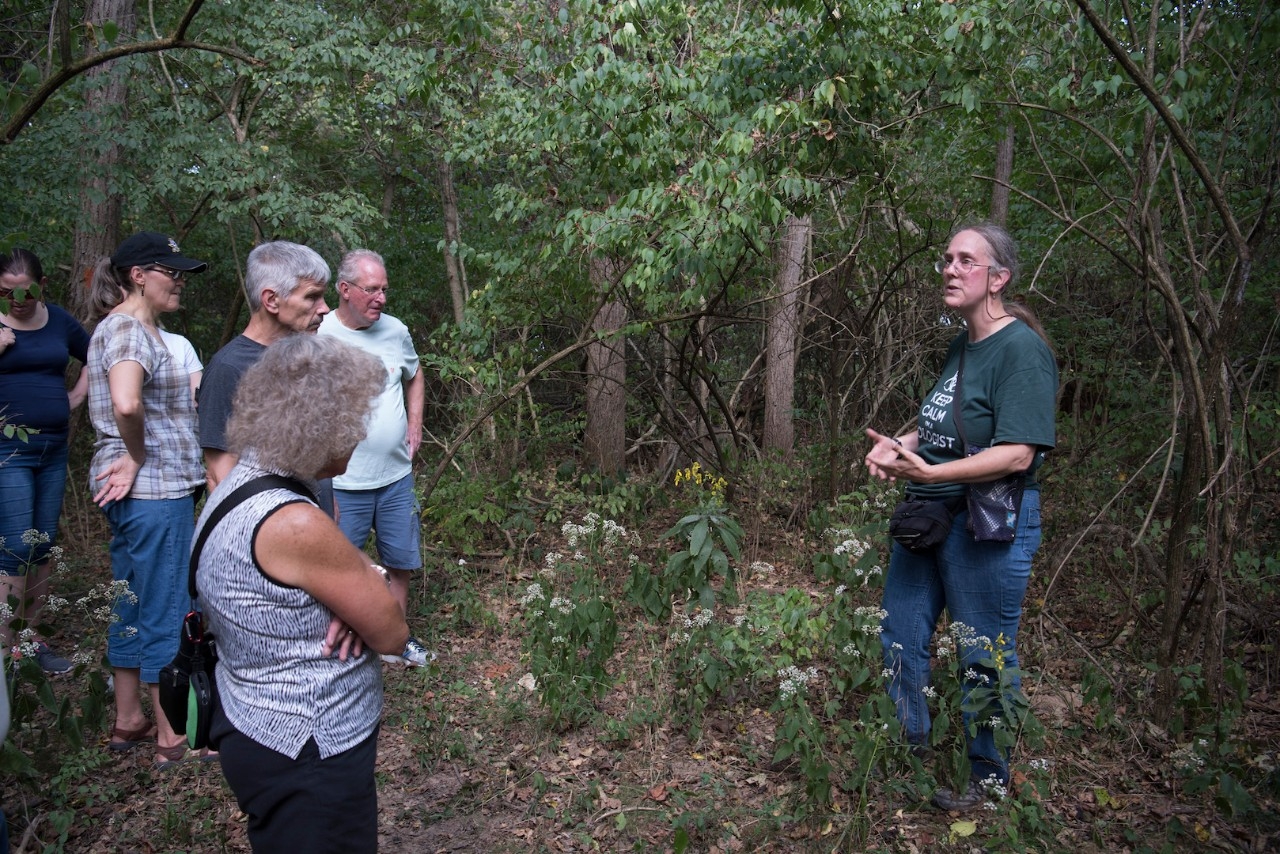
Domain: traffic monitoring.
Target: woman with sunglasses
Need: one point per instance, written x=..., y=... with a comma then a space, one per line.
x=145, y=472
x=37, y=342
x=1005, y=397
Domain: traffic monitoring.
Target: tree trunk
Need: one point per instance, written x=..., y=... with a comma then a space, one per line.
x=606, y=431
x=1004, y=173
x=454, y=269
x=781, y=339
x=98, y=228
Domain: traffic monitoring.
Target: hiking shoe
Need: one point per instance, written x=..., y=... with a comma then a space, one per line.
x=970, y=798
x=414, y=655
x=50, y=662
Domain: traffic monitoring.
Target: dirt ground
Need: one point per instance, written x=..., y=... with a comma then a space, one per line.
x=466, y=764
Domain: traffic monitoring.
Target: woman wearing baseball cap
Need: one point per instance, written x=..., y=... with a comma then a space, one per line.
x=145, y=471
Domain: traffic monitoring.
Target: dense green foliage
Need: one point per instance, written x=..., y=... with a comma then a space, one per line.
x=672, y=140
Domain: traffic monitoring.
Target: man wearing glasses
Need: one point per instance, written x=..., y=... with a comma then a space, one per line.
x=376, y=494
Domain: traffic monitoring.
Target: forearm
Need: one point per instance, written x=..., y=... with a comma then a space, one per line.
x=80, y=390
x=991, y=464
x=414, y=397
x=132, y=429
x=217, y=464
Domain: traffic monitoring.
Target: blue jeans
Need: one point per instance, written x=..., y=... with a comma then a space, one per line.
x=392, y=513
x=33, y=475
x=981, y=585
x=150, y=547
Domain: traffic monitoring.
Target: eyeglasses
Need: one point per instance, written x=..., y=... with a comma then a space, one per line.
x=373, y=292
x=28, y=291
x=176, y=275
x=964, y=265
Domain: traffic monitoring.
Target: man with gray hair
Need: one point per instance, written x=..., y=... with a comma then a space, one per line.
x=376, y=493
x=285, y=285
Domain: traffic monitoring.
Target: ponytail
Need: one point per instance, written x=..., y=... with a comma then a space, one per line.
x=108, y=287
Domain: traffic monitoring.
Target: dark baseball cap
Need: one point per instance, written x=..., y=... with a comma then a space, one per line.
x=152, y=247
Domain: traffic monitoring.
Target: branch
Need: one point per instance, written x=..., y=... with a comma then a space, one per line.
x=60, y=77
x=1180, y=138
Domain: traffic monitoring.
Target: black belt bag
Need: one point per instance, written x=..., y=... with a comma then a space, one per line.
x=922, y=525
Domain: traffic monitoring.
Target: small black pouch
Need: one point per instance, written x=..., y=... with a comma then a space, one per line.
x=193, y=666
x=994, y=508
x=921, y=525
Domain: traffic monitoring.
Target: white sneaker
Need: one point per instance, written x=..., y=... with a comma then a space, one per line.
x=414, y=655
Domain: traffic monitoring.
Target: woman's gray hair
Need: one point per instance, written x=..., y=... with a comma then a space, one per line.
x=1004, y=249
x=279, y=266
x=304, y=404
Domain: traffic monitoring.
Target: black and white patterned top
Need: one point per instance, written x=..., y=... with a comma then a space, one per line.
x=274, y=684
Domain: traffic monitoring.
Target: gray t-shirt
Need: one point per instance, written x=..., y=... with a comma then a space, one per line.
x=218, y=392
x=218, y=388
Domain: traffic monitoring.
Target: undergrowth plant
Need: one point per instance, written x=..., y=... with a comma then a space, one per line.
x=46, y=725
x=709, y=537
x=571, y=628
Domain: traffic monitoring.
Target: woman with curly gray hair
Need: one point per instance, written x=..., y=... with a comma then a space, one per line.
x=300, y=691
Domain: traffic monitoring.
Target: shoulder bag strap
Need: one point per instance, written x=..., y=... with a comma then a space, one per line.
x=955, y=413
x=242, y=493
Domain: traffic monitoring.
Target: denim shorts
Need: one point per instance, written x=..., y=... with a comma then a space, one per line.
x=150, y=548
x=33, y=476
x=391, y=513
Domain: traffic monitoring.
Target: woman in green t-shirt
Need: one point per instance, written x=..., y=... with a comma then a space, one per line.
x=1006, y=397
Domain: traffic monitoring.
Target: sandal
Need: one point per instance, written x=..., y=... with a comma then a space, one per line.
x=124, y=740
x=167, y=757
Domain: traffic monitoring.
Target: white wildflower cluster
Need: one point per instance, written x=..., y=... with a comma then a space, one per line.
x=129, y=632
x=118, y=589
x=1, y=543
x=83, y=656
x=611, y=533
x=1039, y=764
x=972, y=675
x=840, y=588
x=32, y=537
x=54, y=604
x=553, y=560
x=579, y=557
x=103, y=614
x=6, y=612
x=995, y=790
x=929, y=692
x=1187, y=759
x=633, y=559
x=561, y=604
x=761, y=567
x=851, y=649
x=887, y=673
x=739, y=621
x=870, y=619
x=27, y=645
x=559, y=639
x=853, y=547
x=699, y=620
x=56, y=555
x=792, y=679
x=966, y=637
x=532, y=593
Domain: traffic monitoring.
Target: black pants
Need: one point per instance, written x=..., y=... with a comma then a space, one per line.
x=305, y=804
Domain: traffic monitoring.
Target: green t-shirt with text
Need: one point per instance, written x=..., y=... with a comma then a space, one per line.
x=1010, y=386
